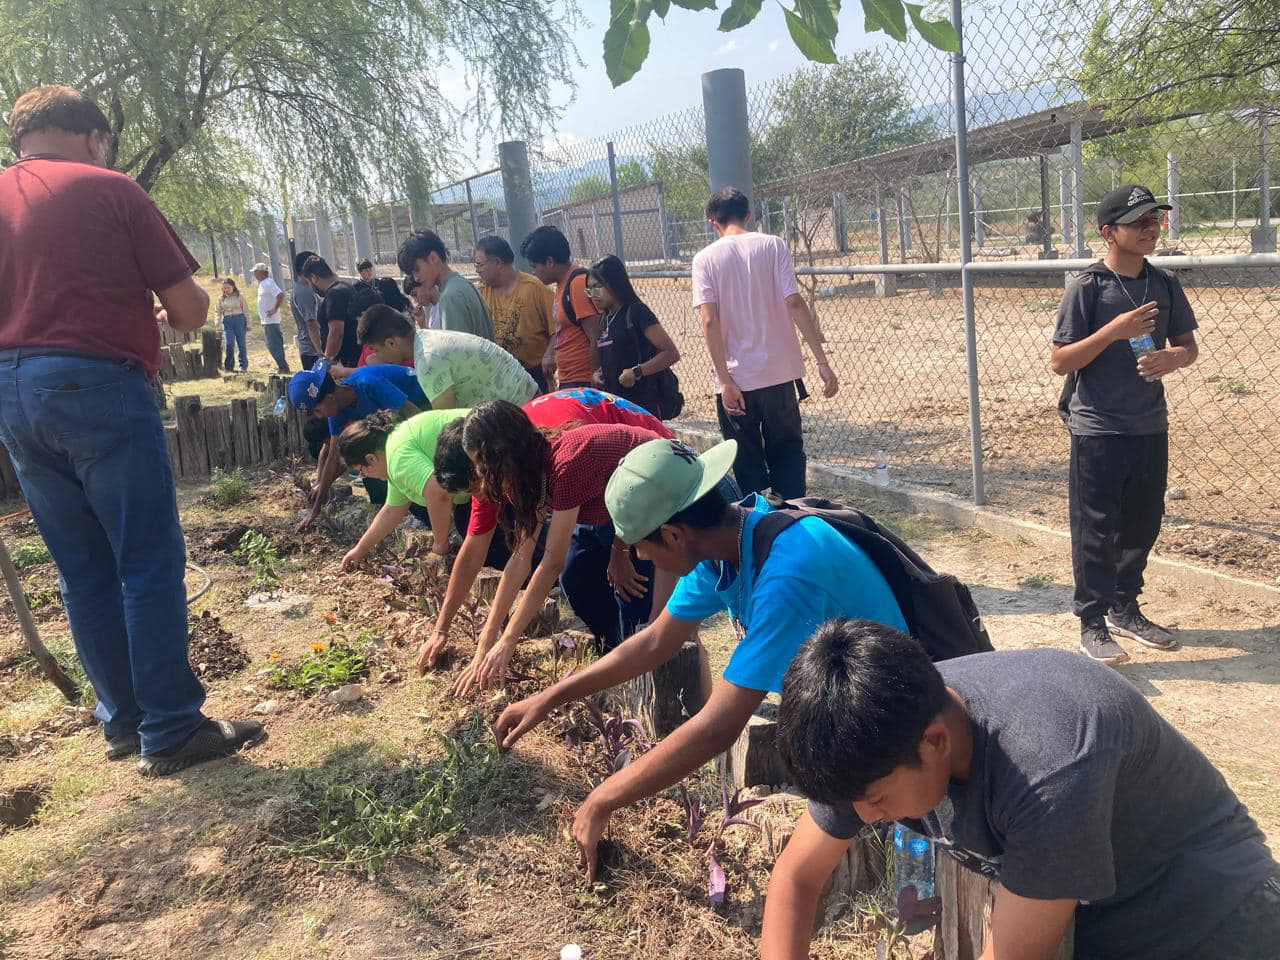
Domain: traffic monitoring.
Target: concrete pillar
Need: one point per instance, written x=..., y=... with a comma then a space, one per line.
x=1175, y=201
x=361, y=232
x=1077, y=186
x=840, y=218
x=724, y=102
x=517, y=192
x=273, y=248
x=324, y=238
x=904, y=231
x=1263, y=238
x=1046, y=243
x=1064, y=203
x=881, y=227
x=471, y=212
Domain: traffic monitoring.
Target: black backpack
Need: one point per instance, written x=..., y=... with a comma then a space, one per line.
x=937, y=607
x=666, y=385
x=566, y=301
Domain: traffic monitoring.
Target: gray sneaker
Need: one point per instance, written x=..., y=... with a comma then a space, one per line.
x=1096, y=643
x=1128, y=621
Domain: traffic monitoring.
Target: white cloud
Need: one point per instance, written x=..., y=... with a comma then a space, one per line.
x=726, y=48
x=773, y=45
x=561, y=142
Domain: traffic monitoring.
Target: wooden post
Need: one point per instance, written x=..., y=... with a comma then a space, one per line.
x=671, y=694
x=966, y=913
x=175, y=453
x=242, y=451
x=293, y=432
x=272, y=438
x=255, y=436
x=210, y=352
x=217, y=436
x=754, y=759
x=191, y=443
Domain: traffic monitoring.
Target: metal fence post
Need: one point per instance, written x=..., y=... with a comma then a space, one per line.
x=1175, y=215
x=724, y=104
x=517, y=193
x=979, y=233
x=966, y=254
x=904, y=233
x=840, y=214
x=617, y=203
x=1064, y=202
x=362, y=235
x=1264, y=238
x=1046, y=230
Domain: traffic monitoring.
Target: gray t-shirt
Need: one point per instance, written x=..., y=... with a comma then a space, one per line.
x=304, y=303
x=1110, y=397
x=461, y=308
x=1079, y=790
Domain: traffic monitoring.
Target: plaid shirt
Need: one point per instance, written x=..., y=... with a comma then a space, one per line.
x=581, y=462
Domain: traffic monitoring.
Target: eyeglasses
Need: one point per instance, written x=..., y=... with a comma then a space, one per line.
x=594, y=291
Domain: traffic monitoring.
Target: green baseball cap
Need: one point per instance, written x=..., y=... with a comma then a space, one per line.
x=658, y=479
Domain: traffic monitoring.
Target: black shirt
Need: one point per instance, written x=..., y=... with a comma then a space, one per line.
x=623, y=345
x=1110, y=396
x=1078, y=789
x=336, y=306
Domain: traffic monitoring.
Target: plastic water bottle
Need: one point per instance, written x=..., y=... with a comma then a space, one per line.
x=880, y=476
x=1141, y=346
x=280, y=405
x=913, y=873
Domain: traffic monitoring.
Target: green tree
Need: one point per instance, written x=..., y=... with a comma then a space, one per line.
x=342, y=97
x=631, y=173
x=812, y=24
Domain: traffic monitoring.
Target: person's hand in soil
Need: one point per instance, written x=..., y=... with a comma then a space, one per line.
x=308, y=520
x=518, y=719
x=493, y=671
x=352, y=559
x=589, y=825
x=431, y=651
x=469, y=677
x=622, y=574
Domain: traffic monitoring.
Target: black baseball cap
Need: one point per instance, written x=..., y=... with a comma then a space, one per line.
x=1127, y=204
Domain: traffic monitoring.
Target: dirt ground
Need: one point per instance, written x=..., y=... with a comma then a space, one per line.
x=901, y=363
x=109, y=865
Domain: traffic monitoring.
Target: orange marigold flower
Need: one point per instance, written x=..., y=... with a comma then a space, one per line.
x=331, y=617
x=317, y=647
x=273, y=655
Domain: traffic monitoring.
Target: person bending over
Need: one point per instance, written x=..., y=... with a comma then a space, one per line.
x=1039, y=768
x=608, y=589
x=671, y=504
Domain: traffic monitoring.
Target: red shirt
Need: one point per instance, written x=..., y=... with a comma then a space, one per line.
x=81, y=250
x=364, y=357
x=591, y=407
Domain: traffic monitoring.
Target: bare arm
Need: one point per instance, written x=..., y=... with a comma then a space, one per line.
x=279, y=303
x=466, y=567
x=795, y=886
x=803, y=319
x=668, y=353
x=440, y=510
x=327, y=470
x=380, y=528
x=709, y=313
x=643, y=651
x=186, y=305
x=591, y=327
x=409, y=409
x=1161, y=363
x=333, y=346
x=1024, y=929
x=446, y=401
x=1069, y=357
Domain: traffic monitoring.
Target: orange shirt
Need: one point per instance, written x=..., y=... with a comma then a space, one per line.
x=573, y=356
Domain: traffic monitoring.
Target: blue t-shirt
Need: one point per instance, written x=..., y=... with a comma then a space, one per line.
x=813, y=574
x=379, y=386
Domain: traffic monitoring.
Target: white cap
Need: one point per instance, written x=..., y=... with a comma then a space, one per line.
x=260, y=268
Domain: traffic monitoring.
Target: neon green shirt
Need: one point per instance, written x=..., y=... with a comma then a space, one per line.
x=411, y=451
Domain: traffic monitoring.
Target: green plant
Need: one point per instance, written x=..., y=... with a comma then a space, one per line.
x=327, y=666
x=229, y=487
x=258, y=552
x=360, y=820
x=1236, y=387
x=64, y=651
x=39, y=599
x=1036, y=581
x=30, y=554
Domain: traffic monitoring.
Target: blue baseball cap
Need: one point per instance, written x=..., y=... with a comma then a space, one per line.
x=309, y=387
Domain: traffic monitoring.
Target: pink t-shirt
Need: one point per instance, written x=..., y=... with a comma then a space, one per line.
x=748, y=276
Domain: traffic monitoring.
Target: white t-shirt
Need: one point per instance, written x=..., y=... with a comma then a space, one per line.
x=268, y=290
x=748, y=276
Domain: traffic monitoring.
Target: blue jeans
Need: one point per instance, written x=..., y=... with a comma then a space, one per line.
x=87, y=444
x=275, y=345
x=235, y=332
x=609, y=617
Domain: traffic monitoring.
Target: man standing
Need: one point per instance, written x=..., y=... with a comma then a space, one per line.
x=745, y=292
x=572, y=357
x=1123, y=326
x=270, y=300
x=519, y=303
x=386, y=289
x=424, y=257
x=79, y=419
x=337, y=325
x=305, y=304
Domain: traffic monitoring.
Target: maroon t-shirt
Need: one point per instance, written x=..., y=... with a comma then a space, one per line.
x=81, y=250
x=582, y=460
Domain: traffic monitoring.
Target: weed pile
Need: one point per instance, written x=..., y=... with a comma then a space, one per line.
x=358, y=820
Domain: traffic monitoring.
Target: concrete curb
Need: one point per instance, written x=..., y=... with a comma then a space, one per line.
x=963, y=514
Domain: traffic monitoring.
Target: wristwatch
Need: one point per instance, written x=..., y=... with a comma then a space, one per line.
x=637, y=372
